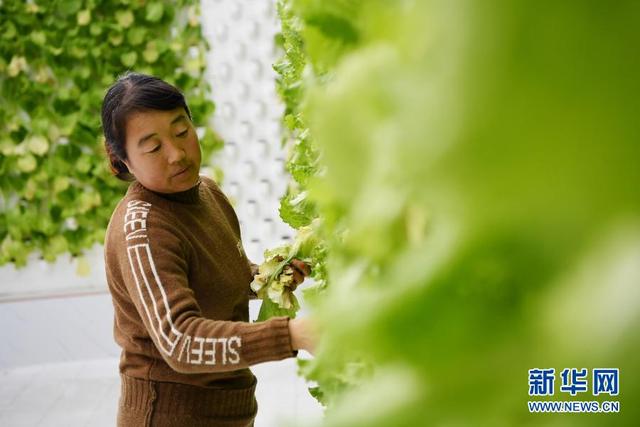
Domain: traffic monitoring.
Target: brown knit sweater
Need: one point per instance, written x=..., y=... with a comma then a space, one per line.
x=179, y=280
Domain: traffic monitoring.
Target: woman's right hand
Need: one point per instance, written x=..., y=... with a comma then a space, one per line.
x=303, y=334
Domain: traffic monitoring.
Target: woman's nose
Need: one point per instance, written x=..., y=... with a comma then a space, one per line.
x=176, y=152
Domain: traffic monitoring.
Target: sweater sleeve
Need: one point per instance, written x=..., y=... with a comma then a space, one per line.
x=155, y=272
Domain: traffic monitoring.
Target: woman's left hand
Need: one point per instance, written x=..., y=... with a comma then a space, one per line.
x=300, y=271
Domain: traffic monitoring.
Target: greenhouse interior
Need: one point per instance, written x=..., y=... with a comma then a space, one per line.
x=306, y=213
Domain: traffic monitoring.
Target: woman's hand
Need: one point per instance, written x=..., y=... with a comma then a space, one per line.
x=300, y=271
x=304, y=335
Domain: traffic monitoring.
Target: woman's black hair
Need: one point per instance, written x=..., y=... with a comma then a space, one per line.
x=133, y=92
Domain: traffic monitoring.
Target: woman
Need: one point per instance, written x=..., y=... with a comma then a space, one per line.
x=178, y=274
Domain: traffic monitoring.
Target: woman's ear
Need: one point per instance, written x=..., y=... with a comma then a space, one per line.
x=126, y=163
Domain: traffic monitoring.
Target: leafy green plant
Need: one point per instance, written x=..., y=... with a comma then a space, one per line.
x=313, y=39
x=274, y=281
x=302, y=158
x=477, y=181
x=56, y=60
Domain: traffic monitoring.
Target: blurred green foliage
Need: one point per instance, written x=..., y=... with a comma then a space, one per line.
x=57, y=59
x=477, y=176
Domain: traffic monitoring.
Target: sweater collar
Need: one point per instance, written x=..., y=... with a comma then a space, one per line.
x=190, y=196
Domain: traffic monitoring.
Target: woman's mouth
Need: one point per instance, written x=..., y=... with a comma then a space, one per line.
x=181, y=172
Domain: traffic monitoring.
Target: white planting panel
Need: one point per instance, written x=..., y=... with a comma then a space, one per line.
x=248, y=115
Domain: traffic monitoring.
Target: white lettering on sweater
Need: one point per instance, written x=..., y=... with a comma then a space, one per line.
x=135, y=219
x=202, y=351
x=234, y=351
x=197, y=350
x=211, y=353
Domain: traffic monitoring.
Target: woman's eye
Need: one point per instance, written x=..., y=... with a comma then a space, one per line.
x=156, y=148
x=183, y=133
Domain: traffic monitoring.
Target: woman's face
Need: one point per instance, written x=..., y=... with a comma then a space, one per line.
x=163, y=152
